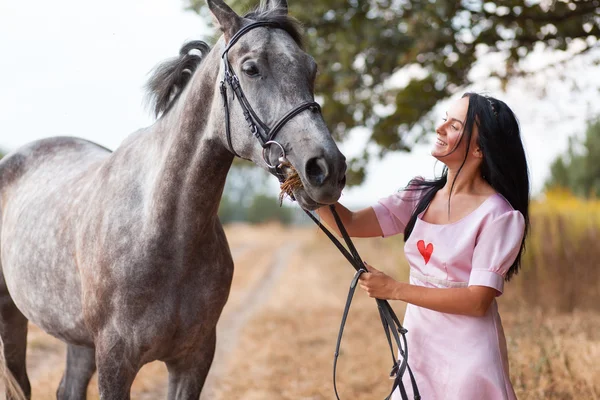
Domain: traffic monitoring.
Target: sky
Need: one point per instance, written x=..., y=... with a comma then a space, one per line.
x=74, y=68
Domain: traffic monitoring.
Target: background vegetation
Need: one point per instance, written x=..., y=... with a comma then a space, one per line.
x=384, y=64
x=578, y=170
x=247, y=197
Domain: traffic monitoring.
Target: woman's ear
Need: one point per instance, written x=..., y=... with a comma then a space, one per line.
x=478, y=153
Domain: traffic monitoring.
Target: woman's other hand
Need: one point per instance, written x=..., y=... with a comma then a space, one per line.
x=377, y=284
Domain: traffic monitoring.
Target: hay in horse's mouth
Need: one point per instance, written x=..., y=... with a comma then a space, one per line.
x=291, y=183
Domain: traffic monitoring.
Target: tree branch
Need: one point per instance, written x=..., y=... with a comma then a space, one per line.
x=547, y=17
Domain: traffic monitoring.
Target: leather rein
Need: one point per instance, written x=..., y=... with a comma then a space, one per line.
x=266, y=137
x=391, y=324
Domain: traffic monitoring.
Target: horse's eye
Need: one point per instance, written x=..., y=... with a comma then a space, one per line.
x=250, y=69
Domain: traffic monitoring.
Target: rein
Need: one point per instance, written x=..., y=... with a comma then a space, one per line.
x=391, y=324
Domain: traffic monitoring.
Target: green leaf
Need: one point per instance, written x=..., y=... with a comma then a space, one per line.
x=360, y=45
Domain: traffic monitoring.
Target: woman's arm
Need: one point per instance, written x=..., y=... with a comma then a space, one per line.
x=362, y=223
x=472, y=300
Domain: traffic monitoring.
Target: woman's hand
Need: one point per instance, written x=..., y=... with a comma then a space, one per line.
x=472, y=301
x=377, y=284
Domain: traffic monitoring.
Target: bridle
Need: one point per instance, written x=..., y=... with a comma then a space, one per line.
x=266, y=137
x=260, y=130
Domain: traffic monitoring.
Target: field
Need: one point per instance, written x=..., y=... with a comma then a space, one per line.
x=277, y=333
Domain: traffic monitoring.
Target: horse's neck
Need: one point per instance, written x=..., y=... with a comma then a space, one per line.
x=189, y=174
x=189, y=182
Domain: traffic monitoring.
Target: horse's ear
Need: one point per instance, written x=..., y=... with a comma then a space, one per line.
x=227, y=20
x=280, y=5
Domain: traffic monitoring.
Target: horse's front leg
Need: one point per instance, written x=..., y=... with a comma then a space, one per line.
x=81, y=365
x=118, y=362
x=187, y=375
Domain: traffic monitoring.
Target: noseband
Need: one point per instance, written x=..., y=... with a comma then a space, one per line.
x=258, y=128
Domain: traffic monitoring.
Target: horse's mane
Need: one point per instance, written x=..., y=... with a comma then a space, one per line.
x=169, y=78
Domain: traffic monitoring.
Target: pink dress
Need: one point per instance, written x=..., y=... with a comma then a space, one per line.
x=456, y=356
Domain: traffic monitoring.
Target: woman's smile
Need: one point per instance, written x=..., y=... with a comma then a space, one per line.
x=440, y=142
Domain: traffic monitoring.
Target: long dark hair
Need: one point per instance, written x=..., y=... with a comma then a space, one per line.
x=504, y=165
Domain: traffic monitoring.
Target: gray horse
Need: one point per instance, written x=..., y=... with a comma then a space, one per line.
x=121, y=255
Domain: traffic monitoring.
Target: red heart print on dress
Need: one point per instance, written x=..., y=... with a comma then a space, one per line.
x=425, y=250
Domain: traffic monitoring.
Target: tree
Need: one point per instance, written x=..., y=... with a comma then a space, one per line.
x=578, y=170
x=244, y=182
x=247, y=197
x=266, y=208
x=366, y=48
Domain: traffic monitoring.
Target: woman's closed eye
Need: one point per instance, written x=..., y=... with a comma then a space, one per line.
x=456, y=128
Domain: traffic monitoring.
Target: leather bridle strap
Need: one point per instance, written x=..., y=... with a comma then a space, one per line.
x=338, y=343
x=227, y=128
x=257, y=127
x=391, y=324
x=309, y=105
x=247, y=28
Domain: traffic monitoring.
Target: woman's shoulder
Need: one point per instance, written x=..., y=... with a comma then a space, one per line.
x=499, y=204
x=496, y=208
x=405, y=198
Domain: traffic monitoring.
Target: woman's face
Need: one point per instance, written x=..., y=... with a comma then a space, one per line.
x=448, y=148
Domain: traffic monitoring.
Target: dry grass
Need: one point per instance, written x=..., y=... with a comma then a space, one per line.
x=553, y=356
x=287, y=350
x=551, y=317
x=561, y=265
x=291, y=183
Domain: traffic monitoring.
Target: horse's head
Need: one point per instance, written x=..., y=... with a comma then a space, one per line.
x=273, y=109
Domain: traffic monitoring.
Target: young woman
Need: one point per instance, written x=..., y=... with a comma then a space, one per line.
x=464, y=234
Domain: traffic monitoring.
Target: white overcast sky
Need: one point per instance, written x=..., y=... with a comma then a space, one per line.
x=77, y=68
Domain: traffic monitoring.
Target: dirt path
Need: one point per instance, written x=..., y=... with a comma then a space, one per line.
x=230, y=326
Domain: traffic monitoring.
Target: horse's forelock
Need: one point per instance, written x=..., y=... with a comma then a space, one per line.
x=289, y=24
x=170, y=77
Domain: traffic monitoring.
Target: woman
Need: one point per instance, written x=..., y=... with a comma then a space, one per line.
x=464, y=234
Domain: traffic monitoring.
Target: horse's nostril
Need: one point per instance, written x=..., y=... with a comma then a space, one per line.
x=317, y=171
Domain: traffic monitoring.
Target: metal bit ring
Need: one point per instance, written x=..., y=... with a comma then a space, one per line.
x=281, y=159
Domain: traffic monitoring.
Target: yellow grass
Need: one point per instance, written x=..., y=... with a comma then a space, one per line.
x=561, y=265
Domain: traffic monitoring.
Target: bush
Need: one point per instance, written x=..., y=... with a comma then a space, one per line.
x=265, y=208
x=560, y=264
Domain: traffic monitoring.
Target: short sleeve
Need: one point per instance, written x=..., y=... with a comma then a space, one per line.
x=496, y=250
x=394, y=212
